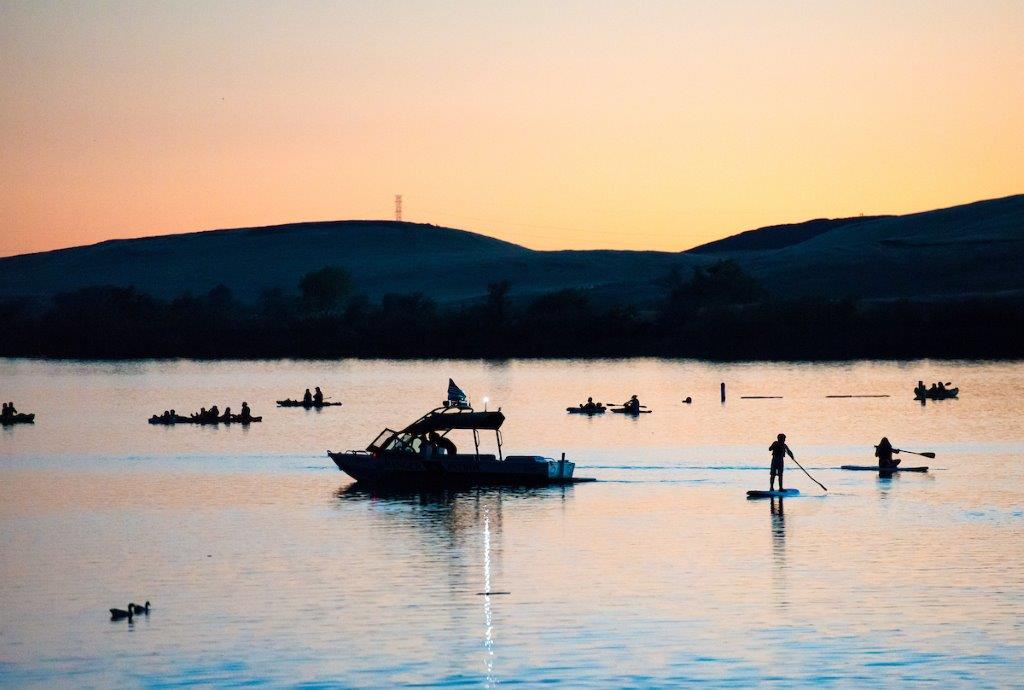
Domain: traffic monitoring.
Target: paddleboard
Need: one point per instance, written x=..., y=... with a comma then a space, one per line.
x=887, y=470
x=755, y=493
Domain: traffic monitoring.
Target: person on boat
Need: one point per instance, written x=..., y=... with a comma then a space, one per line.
x=633, y=405
x=213, y=415
x=199, y=416
x=941, y=388
x=932, y=389
x=884, y=452
x=779, y=451
x=307, y=398
x=920, y=390
x=443, y=444
x=589, y=405
x=10, y=409
x=246, y=414
x=226, y=417
x=174, y=416
x=318, y=397
x=5, y=413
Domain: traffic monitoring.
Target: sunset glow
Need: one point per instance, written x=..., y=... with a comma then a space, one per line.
x=553, y=125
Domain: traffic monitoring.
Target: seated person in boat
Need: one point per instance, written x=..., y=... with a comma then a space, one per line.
x=884, y=452
x=779, y=450
x=443, y=444
x=213, y=414
x=941, y=388
x=318, y=397
x=920, y=389
x=307, y=398
x=226, y=417
x=246, y=414
x=6, y=412
x=633, y=405
x=589, y=405
x=9, y=410
x=933, y=389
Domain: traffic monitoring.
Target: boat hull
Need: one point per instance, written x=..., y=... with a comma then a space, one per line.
x=18, y=419
x=882, y=470
x=413, y=470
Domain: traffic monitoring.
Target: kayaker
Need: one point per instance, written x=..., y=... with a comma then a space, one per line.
x=633, y=405
x=443, y=444
x=884, y=452
x=318, y=397
x=779, y=451
x=213, y=415
x=920, y=390
x=589, y=404
x=307, y=398
x=246, y=414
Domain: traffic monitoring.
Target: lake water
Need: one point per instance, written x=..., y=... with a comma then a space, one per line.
x=267, y=566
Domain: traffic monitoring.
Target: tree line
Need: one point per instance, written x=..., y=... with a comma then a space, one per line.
x=718, y=312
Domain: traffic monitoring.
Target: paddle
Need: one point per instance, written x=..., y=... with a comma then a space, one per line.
x=923, y=455
x=809, y=474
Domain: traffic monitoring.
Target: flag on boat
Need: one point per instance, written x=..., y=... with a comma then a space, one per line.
x=455, y=394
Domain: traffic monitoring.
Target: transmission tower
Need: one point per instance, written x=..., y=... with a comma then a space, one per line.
x=398, y=207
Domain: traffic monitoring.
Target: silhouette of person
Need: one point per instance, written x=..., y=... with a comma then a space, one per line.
x=246, y=414
x=443, y=444
x=779, y=451
x=307, y=398
x=884, y=452
x=318, y=397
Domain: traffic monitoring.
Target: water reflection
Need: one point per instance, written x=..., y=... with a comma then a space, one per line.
x=777, y=508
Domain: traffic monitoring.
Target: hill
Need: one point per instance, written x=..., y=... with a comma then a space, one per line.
x=973, y=249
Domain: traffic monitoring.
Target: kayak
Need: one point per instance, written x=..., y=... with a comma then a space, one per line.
x=235, y=419
x=623, y=410
x=755, y=493
x=18, y=419
x=298, y=403
x=583, y=410
x=883, y=470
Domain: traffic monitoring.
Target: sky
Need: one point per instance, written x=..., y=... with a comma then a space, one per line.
x=594, y=124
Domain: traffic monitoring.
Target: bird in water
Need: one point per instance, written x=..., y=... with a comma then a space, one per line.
x=139, y=610
x=121, y=614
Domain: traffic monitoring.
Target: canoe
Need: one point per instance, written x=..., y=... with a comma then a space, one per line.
x=883, y=470
x=623, y=410
x=582, y=410
x=18, y=419
x=755, y=493
x=298, y=403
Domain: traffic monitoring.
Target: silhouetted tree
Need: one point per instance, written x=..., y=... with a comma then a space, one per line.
x=326, y=289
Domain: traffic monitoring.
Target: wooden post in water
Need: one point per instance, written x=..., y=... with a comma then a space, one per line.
x=723, y=392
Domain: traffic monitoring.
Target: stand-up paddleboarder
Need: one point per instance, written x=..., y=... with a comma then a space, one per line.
x=779, y=451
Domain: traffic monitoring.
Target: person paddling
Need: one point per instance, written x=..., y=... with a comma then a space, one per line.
x=779, y=451
x=884, y=452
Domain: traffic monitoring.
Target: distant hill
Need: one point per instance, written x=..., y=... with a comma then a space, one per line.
x=778, y=236
x=976, y=248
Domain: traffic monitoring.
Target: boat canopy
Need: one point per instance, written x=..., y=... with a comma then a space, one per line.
x=442, y=421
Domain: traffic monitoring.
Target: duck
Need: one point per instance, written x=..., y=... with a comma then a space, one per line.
x=121, y=614
x=138, y=610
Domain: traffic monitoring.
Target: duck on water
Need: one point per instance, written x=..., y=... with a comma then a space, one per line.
x=423, y=454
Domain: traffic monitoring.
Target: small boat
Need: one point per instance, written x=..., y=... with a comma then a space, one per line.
x=755, y=493
x=600, y=409
x=18, y=419
x=309, y=406
x=407, y=458
x=944, y=394
x=882, y=470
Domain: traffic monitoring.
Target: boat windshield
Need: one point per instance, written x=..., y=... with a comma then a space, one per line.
x=403, y=443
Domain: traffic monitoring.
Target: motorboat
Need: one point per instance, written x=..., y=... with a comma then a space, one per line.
x=413, y=455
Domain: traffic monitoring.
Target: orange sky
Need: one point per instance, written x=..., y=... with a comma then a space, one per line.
x=655, y=125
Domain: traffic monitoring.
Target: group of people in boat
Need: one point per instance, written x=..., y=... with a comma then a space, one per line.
x=316, y=398
x=936, y=390
x=207, y=416
x=8, y=411
x=631, y=406
x=10, y=414
x=434, y=445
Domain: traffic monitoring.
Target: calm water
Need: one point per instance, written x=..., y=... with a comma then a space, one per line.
x=265, y=565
